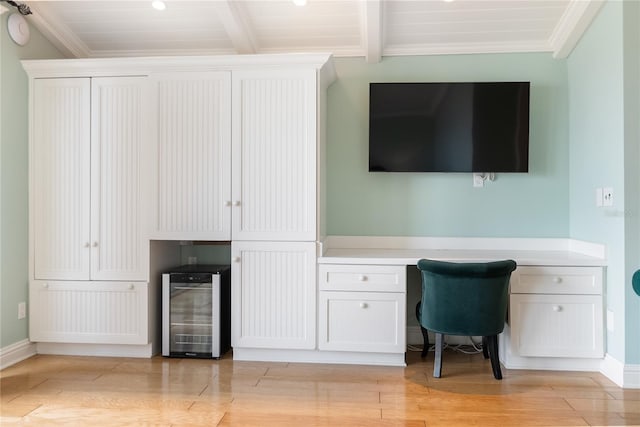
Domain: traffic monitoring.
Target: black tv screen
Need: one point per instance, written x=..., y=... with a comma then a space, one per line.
x=449, y=127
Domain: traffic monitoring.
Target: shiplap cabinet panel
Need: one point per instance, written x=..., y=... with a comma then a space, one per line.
x=89, y=312
x=273, y=295
x=193, y=137
x=60, y=167
x=87, y=204
x=274, y=155
x=117, y=143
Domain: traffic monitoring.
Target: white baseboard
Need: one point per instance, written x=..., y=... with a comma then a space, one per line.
x=631, y=376
x=14, y=353
x=625, y=376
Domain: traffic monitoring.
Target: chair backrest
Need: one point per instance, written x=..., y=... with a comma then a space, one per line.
x=465, y=298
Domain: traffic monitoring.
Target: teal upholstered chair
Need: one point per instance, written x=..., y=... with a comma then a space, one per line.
x=465, y=299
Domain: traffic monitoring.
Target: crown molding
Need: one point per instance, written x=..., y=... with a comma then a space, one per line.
x=57, y=33
x=572, y=25
x=132, y=66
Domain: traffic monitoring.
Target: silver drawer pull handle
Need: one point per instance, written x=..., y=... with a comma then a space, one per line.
x=362, y=278
x=557, y=280
x=557, y=308
x=236, y=259
x=364, y=305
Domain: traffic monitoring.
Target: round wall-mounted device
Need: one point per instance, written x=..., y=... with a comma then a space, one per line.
x=635, y=282
x=18, y=29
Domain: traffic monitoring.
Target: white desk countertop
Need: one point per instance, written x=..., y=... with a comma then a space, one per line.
x=411, y=256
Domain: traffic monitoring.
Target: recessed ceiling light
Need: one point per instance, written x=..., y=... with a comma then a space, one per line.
x=299, y=2
x=158, y=5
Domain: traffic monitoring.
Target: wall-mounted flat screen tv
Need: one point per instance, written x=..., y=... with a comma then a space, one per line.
x=449, y=127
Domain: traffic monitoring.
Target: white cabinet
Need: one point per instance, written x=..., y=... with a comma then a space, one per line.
x=274, y=207
x=88, y=312
x=60, y=166
x=192, y=160
x=87, y=203
x=273, y=295
x=271, y=151
x=557, y=312
x=274, y=155
x=362, y=308
x=196, y=148
x=87, y=211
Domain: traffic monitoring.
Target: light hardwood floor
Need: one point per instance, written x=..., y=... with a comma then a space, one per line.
x=95, y=391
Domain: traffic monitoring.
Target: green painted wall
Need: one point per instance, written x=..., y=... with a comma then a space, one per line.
x=439, y=204
x=603, y=105
x=13, y=178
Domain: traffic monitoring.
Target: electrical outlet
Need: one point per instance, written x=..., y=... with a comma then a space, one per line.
x=22, y=310
x=607, y=196
x=478, y=180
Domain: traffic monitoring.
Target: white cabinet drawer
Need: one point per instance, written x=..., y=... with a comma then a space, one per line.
x=557, y=280
x=89, y=312
x=557, y=325
x=362, y=321
x=372, y=278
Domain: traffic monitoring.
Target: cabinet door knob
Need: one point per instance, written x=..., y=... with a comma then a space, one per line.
x=362, y=278
x=45, y=285
x=364, y=305
x=557, y=308
x=227, y=203
x=236, y=203
x=557, y=280
x=236, y=259
x=86, y=244
x=131, y=286
x=95, y=244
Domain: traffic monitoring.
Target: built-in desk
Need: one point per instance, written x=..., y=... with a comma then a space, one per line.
x=556, y=303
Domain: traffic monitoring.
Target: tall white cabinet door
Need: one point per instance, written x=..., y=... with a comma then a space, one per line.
x=118, y=119
x=273, y=295
x=193, y=149
x=59, y=189
x=274, y=155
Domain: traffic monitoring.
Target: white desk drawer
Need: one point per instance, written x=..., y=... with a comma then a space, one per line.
x=362, y=321
x=557, y=325
x=373, y=278
x=557, y=280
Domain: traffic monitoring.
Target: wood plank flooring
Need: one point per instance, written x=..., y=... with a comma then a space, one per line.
x=101, y=391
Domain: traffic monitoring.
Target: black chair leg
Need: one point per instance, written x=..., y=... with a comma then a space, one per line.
x=437, y=362
x=425, y=333
x=485, y=348
x=493, y=353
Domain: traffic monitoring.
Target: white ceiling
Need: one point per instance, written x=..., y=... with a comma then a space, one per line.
x=366, y=28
